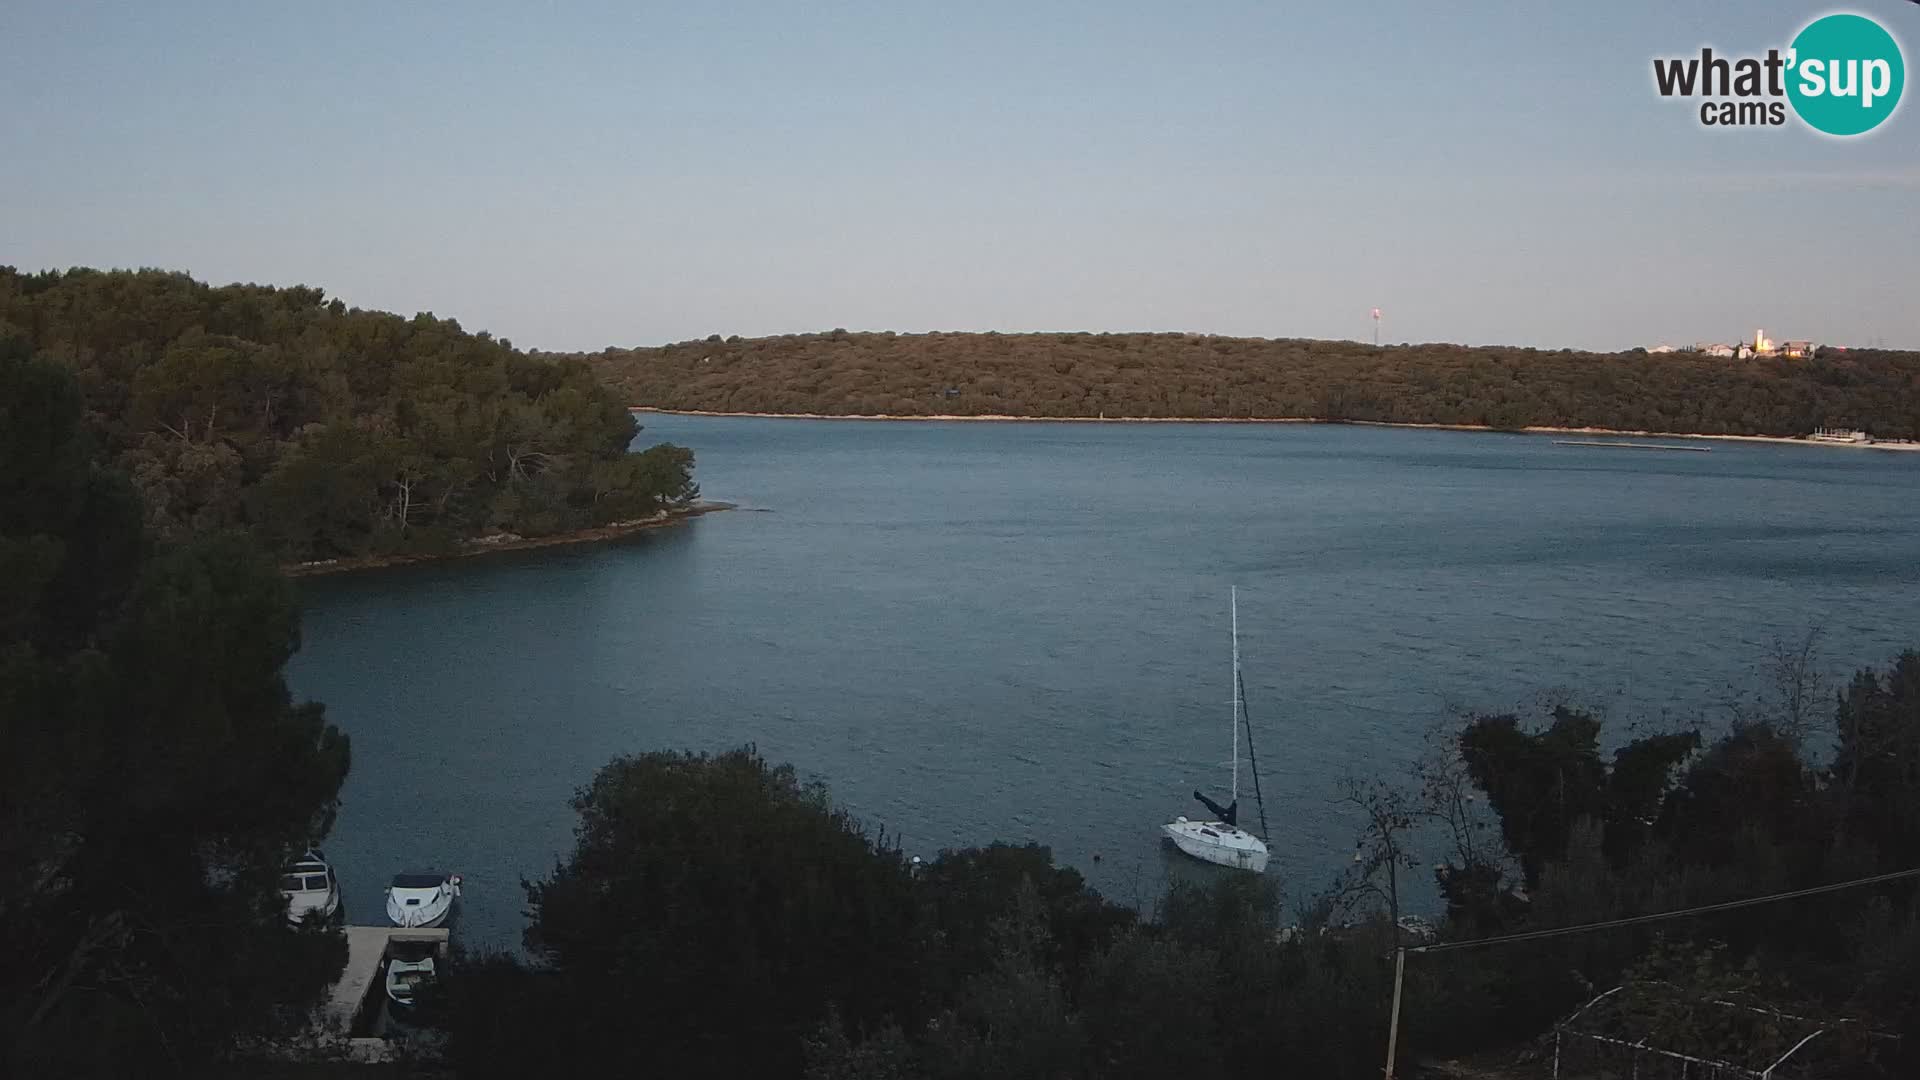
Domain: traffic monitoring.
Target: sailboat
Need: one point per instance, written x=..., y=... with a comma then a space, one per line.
x=1221, y=840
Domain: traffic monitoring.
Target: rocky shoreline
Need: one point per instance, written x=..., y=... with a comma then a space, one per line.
x=1787, y=440
x=507, y=542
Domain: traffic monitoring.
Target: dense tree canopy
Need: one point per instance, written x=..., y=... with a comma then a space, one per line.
x=328, y=431
x=713, y=910
x=1542, y=783
x=155, y=773
x=1674, y=822
x=1193, y=375
x=717, y=916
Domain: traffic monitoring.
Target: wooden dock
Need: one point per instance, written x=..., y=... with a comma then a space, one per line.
x=351, y=1026
x=366, y=949
x=1619, y=445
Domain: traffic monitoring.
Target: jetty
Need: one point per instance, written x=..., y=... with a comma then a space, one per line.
x=352, y=1026
x=1619, y=445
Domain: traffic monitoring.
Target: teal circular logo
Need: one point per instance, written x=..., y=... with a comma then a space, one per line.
x=1846, y=74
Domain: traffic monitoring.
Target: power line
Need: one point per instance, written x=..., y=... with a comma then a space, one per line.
x=1635, y=920
x=1400, y=955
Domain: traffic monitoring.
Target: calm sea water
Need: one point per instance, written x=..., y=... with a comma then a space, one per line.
x=1019, y=631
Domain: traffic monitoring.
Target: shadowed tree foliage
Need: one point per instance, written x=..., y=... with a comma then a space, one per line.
x=155, y=773
x=1876, y=764
x=1541, y=783
x=1751, y=784
x=1675, y=825
x=966, y=894
x=714, y=909
x=1207, y=987
x=327, y=431
x=719, y=917
x=1202, y=375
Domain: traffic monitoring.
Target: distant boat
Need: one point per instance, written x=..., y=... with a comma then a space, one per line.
x=1616, y=444
x=1838, y=435
x=1222, y=841
x=310, y=888
x=421, y=900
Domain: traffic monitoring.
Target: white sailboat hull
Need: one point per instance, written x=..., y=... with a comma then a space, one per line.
x=1218, y=843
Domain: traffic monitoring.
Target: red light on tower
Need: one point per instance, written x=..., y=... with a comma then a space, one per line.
x=1376, y=328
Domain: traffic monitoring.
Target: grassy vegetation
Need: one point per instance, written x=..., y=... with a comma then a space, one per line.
x=1202, y=376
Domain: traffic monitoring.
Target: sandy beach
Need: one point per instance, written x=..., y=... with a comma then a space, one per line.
x=1002, y=418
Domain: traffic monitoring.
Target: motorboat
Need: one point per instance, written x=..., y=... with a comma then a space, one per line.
x=423, y=899
x=310, y=888
x=411, y=969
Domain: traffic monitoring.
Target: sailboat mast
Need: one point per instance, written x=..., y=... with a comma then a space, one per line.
x=1233, y=607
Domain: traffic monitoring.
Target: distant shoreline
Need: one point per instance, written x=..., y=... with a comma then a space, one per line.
x=598, y=535
x=1002, y=418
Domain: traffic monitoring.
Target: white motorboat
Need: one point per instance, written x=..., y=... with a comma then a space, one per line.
x=422, y=899
x=1221, y=840
x=310, y=888
x=410, y=969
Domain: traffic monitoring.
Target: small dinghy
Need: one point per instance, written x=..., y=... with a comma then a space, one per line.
x=310, y=888
x=422, y=899
x=410, y=970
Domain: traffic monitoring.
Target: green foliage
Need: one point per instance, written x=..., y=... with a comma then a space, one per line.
x=327, y=431
x=507, y=1019
x=1152, y=1009
x=1876, y=765
x=1751, y=787
x=712, y=911
x=717, y=916
x=1542, y=783
x=1013, y=1019
x=1230, y=911
x=966, y=894
x=885, y=1055
x=155, y=773
x=1638, y=786
x=1192, y=375
x=1696, y=1001
x=1538, y=782
x=1672, y=826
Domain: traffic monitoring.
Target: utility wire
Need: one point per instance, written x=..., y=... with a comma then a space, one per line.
x=1635, y=920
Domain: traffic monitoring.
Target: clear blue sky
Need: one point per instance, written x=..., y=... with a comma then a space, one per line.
x=579, y=174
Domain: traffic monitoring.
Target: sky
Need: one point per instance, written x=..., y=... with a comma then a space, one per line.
x=582, y=175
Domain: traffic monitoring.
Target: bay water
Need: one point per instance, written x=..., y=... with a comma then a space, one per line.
x=1018, y=631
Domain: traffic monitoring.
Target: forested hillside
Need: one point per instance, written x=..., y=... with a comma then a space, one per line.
x=1189, y=375
x=155, y=770
x=329, y=431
